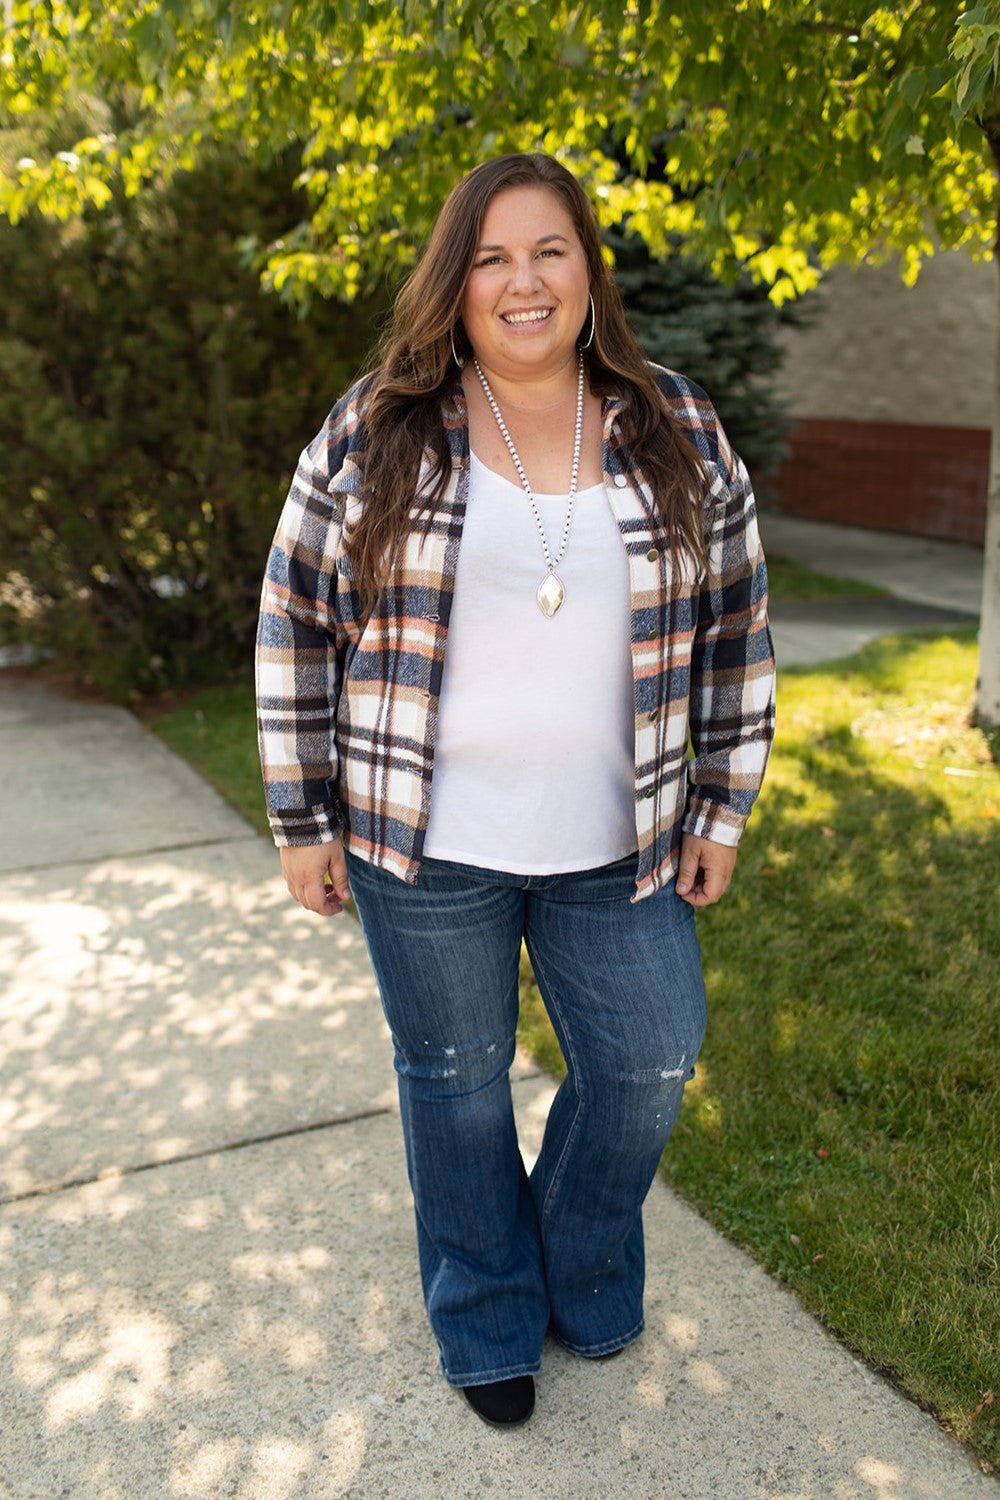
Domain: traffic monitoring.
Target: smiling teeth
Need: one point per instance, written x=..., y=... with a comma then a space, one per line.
x=526, y=317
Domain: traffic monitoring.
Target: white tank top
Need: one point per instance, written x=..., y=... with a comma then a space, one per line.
x=534, y=758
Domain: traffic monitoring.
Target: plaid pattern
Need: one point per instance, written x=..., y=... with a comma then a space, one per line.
x=347, y=715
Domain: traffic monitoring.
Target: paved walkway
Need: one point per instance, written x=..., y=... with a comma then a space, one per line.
x=933, y=586
x=208, y=1281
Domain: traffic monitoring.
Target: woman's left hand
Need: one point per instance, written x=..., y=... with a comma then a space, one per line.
x=705, y=870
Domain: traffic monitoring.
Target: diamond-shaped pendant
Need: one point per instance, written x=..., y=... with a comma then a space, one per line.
x=550, y=595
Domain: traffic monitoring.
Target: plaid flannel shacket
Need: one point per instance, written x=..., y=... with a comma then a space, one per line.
x=347, y=712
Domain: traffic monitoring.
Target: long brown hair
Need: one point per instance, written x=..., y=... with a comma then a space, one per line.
x=415, y=368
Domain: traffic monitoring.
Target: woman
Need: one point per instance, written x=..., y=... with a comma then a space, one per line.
x=517, y=571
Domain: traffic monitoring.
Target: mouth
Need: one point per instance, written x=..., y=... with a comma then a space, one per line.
x=529, y=317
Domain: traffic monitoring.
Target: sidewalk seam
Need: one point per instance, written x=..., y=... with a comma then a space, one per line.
x=65, y=864
x=112, y=1174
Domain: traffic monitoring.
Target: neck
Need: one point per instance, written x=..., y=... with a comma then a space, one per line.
x=533, y=392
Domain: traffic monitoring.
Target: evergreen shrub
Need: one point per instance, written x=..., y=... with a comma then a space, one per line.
x=152, y=402
x=724, y=335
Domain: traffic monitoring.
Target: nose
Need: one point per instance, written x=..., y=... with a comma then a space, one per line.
x=524, y=275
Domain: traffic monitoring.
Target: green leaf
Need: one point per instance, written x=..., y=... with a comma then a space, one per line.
x=913, y=85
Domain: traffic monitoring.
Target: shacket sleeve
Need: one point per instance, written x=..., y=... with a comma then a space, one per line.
x=732, y=667
x=297, y=668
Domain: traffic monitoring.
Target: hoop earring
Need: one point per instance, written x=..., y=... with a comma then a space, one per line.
x=454, y=351
x=593, y=324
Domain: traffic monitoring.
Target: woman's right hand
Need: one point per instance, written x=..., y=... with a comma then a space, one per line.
x=305, y=870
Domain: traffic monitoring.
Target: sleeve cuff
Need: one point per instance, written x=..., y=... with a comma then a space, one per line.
x=711, y=820
x=313, y=825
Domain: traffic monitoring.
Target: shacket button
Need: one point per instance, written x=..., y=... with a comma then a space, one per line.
x=652, y=554
x=651, y=635
x=654, y=716
x=621, y=481
x=650, y=792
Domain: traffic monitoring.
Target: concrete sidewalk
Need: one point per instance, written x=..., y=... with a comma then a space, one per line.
x=932, y=586
x=208, y=1280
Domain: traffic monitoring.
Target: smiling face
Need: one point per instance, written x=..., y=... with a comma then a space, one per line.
x=526, y=297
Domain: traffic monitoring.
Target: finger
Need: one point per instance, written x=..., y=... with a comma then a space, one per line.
x=337, y=867
x=713, y=888
x=717, y=877
x=687, y=874
x=317, y=896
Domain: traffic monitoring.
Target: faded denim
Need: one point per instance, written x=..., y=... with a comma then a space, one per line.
x=504, y=1258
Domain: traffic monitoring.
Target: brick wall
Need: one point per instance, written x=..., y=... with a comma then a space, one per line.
x=891, y=390
x=930, y=481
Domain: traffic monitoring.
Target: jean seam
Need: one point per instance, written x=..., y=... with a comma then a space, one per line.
x=559, y=1171
x=489, y=1377
x=607, y=1347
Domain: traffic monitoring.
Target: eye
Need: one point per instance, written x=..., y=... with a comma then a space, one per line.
x=551, y=250
x=488, y=260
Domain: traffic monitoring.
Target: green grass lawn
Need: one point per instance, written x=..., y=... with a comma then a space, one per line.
x=790, y=580
x=844, y=1122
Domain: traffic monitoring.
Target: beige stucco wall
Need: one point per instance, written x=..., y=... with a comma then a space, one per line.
x=879, y=351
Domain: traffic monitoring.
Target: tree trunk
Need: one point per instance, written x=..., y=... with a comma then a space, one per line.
x=987, y=709
x=987, y=712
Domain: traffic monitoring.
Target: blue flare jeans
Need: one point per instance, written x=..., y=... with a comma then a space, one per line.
x=504, y=1257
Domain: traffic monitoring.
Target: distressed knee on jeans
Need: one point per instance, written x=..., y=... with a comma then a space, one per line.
x=671, y=1070
x=445, y=1071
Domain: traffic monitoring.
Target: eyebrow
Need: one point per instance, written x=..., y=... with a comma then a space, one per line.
x=546, y=239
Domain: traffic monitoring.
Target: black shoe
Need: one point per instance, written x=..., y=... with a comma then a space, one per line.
x=504, y=1403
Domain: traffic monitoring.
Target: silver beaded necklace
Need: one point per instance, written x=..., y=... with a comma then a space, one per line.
x=551, y=592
